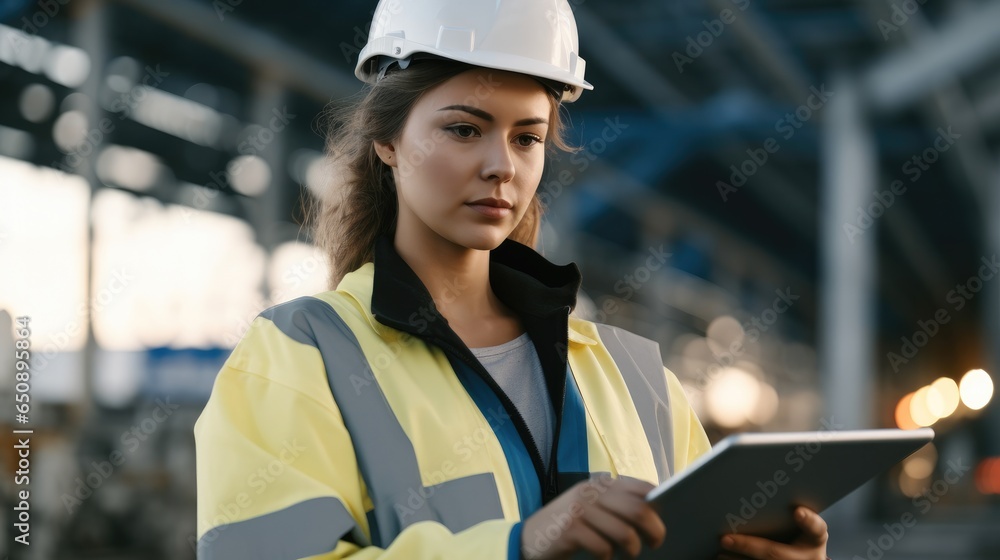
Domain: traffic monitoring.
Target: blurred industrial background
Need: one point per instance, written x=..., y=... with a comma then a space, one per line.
x=799, y=199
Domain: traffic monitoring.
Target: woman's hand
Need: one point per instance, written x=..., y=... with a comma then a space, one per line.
x=595, y=518
x=810, y=545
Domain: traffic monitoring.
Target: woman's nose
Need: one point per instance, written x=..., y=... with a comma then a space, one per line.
x=498, y=165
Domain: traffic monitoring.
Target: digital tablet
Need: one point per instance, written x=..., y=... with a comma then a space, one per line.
x=751, y=484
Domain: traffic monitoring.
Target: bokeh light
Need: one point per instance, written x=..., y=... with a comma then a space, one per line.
x=943, y=397
x=732, y=396
x=919, y=410
x=988, y=476
x=976, y=389
x=903, y=418
x=920, y=465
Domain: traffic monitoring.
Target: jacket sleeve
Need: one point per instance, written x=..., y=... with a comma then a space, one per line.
x=690, y=440
x=277, y=474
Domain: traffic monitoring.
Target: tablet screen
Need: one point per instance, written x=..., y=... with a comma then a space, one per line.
x=751, y=483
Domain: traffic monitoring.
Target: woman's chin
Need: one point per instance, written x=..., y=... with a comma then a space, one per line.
x=483, y=241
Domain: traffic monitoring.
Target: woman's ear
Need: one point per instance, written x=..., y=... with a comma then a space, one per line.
x=387, y=153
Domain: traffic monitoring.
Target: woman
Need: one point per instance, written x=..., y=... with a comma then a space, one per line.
x=441, y=402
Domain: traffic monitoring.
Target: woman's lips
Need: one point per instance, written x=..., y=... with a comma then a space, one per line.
x=491, y=211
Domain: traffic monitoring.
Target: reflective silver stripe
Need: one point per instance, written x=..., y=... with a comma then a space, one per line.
x=639, y=360
x=305, y=529
x=385, y=454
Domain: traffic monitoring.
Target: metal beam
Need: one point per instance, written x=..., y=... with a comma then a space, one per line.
x=649, y=85
x=259, y=50
x=987, y=106
x=905, y=76
x=619, y=59
x=950, y=109
x=765, y=44
x=90, y=31
x=849, y=172
x=268, y=211
x=848, y=266
x=953, y=108
x=905, y=228
x=778, y=194
x=630, y=195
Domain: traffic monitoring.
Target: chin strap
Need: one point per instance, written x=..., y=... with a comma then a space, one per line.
x=386, y=62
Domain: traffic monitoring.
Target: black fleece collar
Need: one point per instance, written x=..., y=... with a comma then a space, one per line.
x=522, y=279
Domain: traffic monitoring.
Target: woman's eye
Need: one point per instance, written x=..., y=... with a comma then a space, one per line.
x=463, y=131
x=527, y=140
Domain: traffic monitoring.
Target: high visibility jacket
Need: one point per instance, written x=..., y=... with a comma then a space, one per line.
x=356, y=423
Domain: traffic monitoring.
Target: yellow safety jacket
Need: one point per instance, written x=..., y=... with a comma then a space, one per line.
x=357, y=424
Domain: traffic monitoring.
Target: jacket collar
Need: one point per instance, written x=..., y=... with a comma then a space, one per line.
x=393, y=295
x=520, y=277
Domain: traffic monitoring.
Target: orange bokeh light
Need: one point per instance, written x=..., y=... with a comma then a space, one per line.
x=903, y=418
x=988, y=476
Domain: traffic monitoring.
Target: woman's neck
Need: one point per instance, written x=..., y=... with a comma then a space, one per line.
x=457, y=278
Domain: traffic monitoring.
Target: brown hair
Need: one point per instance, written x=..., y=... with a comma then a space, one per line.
x=360, y=202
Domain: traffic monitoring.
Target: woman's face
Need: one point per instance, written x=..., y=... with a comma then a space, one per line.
x=479, y=135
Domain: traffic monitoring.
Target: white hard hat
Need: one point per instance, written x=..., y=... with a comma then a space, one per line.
x=533, y=37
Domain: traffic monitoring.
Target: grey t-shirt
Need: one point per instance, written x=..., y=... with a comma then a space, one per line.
x=515, y=366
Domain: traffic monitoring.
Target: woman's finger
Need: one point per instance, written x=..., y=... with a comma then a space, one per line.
x=634, y=510
x=814, y=528
x=615, y=530
x=634, y=485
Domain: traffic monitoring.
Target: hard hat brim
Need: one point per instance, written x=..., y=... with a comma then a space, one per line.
x=366, y=68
